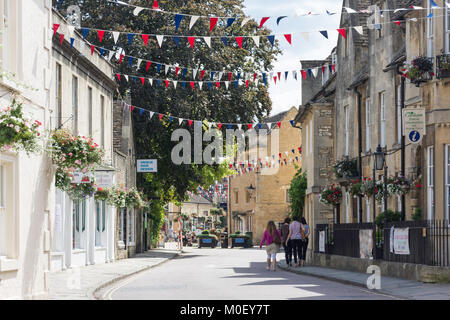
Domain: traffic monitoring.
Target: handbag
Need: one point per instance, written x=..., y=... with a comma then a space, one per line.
x=276, y=239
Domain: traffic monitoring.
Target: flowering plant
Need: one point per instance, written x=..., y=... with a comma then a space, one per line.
x=18, y=132
x=102, y=194
x=331, y=195
x=81, y=190
x=345, y=168
x=398, y=185
x=355, y=188
x=133, y=199
x=368, y=187
x=418, y=68
x=117, y=198
x=72, y=154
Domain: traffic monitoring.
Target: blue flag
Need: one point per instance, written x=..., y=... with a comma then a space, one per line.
x=280, y=18
x=324, y=33
x=85, y=32
x=177, y=41
x=271, y=39
x=178, y=18
x=230, y=22
x=224, y=40
x=130, y=37
x=71, y=42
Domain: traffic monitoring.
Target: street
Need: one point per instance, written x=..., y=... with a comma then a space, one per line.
x=229, y=274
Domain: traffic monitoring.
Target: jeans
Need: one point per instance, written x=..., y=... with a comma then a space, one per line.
x=297, y=249
x=288, y=252
x=304, y=248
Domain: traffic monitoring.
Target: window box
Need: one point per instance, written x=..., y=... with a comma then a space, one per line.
x=419, y=70
x=443, y=66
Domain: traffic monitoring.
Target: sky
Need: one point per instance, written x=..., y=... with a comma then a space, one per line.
x=284, y=94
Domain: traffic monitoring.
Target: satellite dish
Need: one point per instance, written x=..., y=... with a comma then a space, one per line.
x=74, y=15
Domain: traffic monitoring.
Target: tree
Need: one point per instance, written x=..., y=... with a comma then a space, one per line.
x=297, y=193
x=153, y=137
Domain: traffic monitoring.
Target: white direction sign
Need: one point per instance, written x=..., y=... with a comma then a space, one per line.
x=104, y=179
x=147, y=166
x=414, y=124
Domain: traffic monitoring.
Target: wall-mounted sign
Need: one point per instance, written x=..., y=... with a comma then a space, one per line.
x=147, y=166
x=414, y=127
x=104, y=179
x=80, y=177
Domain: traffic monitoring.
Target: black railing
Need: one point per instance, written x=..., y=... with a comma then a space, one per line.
x=443, y=66
x=346, y=238
x=328, y=244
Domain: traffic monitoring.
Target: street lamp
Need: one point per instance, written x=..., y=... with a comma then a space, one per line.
x=379, y=158
x=379, y=164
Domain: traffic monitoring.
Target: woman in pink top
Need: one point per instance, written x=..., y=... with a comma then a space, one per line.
x=272, y=239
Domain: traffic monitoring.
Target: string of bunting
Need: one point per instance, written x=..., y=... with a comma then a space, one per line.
x=230, y=20
x=219, y=125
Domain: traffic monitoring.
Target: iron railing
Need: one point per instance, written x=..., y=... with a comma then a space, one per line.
x=443, y=66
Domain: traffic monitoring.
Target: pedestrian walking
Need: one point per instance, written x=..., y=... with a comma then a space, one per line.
x=286, y=244
x=305, y=240
x=295, y=229
x=272, y=239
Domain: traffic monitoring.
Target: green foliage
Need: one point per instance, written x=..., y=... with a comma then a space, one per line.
x=205, y=232
x=387, y=216
x=331, y=195
x=238, y=232
x=133, y=199
x=417, y=215
x=239, y=235
x=346, y=168
x=156, y=217
x=297, y=193
x=103, y=194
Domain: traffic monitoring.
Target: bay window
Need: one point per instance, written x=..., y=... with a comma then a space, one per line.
x=130, y=221
x=430, y=182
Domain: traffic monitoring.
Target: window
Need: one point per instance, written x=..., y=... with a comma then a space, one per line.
x=310, y=136
x=430, y=182
x=307, y=140
x=75, y=105
x=236, y=195
x=382, y=120
x=399, y=114
x=247, y=196
x=90, y=111
x=367, y=209
x=250, y=223
x=447, y=30
x=334, y=61
x=399, y=203
x=325, y=75
x=347, y=206
x=100, y=223
x=447, y=183
x=346, y=130
x=102, y=121
x=205, y=213
x=58, y=96
x=430, y=31
x=79, y=224
x=122, y=229
x=288, y=196
x=368, y=125
x=130, y=221
x=9, y=34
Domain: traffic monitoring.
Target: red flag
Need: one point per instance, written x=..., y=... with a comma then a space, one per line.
x=303, y=72
x=279, y=75
x=279, y=155
x=397, y=22
x=239, y=41
x=212, y=23
x=155, y=5
x=148, y=65
x=249, y=126
x=132, y=108
x=118, y=76
x=190, y=123
x=229, y=76
x=218, y=84
x=300, y=149
x=61, y=38
x=275, y=80
x=177, y=69
x=160, y=116
x=121, y=58
x=279, y=124
x=323, y=69
x=101, y=33
x=191, y=41
x=263, y=20
x=192, y=85
x=333, y=67
x=288, y=38
x=246, y=83
x=254, y=77
x=219, y=125
x=55, y=28
x=167, y=83
x=92, y=49
x=341, y=32
x=202, y=74
x=142, y=80
x=145, y=38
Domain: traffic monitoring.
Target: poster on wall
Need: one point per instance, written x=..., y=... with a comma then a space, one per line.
x=401, y=241
x=391, y=240
x=366, y=244
x=322, y=241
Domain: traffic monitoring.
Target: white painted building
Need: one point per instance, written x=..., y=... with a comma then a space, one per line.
x=25, y=181
x=81, y=100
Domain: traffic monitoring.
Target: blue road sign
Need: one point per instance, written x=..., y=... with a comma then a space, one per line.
x=414, y=136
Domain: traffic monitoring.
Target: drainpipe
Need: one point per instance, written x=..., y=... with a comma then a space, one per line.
x=403, y=166
x=359, y=150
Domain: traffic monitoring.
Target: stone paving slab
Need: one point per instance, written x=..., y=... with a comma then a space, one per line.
x=400, y=288
x=81, y=283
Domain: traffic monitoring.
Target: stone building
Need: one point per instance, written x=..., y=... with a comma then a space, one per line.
x=261, y=195
x=26, y=189
x=81, y=101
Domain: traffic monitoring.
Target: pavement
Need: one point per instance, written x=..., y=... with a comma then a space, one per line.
x=390, y=286
x=83, y=283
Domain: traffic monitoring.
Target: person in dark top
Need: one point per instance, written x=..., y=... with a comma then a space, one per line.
x=305, y=240
x=286, y=245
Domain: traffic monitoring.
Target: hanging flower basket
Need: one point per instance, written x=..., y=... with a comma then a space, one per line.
x=398, y=185
x=443, y=66
x=331, y=195
x=368, y=187
x=346, y=168
x=102, y=194
x=81, y=190
x=355, y=188
x=133, y=199
x=419, y=70
x=18, y=132
x=117, y=198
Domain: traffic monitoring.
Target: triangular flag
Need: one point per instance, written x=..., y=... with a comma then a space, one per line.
x=192, y=84
x=246, y=83
x=256, y=39
x=145, y=38
x=349, y=10
x=239, y=41
x=61, y=38
x=229, y=76
x=180, y=121
x=176, y=40
x=288, y=38
x=155, y=5
x=200, y=84
x=55, y=28
x=130, y=37
x=167, y=83
x=263, y=20
x=292, y=124
x=151, y=81
x=279, y=124
x=324, y=33
x=92, y=49
x=100, y=33
x=239, y=126
x=166, y=68
x=271, y=39
x=230, y=21
x=137, y=10
x=178, y=18
x=71, y=30
x=227, y=83
x=341, y=32
x=175, y=83
x=193, y=21
x=72, y=40
x=315, y=72
x=126, y=77
x=359, y=29
x=118, y=76
x=160, y=116
x=116, y=36
x=224, y=40
x=177, y=69
x=160, y=39
x=194, y=72
x=85, y=32
x=212, y=23
x=191, y=41
x=249, y=126
x=305, y=35
x=202, y=74
x=149, y=63
x=190, y=123
x=244, y=21
x=280, y=18
x=397, y=22
x=208, y=41
x=143, y=80
x=219, y=125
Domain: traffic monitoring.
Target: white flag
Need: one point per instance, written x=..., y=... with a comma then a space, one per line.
x=256, y=39
x=175, y=84
x=180, y=121
x=220, y=75
x=139, y=64
x=239, y=126
x=167, y=68
x=208, y=41
x=256, y=81
x=151, y=81
x=200, y=84
x=151, y=114
x=349, y=10
x=71, y=30
x=194, y=71
x=111, y=54
x=126, y=77
x=193, y=21
x=359, y=29
x=244, y=21
x=227, y=83
x=137, y=11
x=116, y=36
x=315, y=71
x=160, y=39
